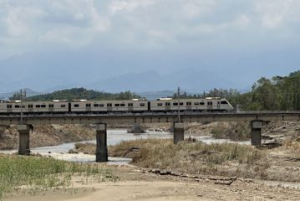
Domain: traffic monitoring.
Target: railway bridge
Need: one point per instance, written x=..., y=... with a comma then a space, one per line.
x=256, y=120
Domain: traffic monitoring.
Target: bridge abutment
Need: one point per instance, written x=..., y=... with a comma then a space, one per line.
x=101, y=138
x=178, y=132
x=256, y=127
x=24, y=140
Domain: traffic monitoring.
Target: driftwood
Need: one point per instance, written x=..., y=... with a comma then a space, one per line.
x=215, y=179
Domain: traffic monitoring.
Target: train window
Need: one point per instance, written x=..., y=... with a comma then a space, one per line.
x=101, y=105
x=109, y=105
x=17, y=106
x=88, y=105
x=30, y=106
x=188, y=103
x=224, y=102
x=202, y=103
x=37, y=106
x=122, y=105
x=9, y=106
x=174, y=104
x=196, y=103
x=159, y=104
x=168, y=104
x=96, y=105
x=43, y=106
x=76, y=105
x=63, y=105
x=117, y=105
x=209, y=103
x=181, y=103
x=142, y=104
x=130, y=104
x=51, y=106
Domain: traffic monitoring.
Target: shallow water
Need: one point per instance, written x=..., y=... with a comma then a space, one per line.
x=113, y=137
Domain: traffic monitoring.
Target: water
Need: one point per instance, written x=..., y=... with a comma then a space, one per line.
x=113, y=137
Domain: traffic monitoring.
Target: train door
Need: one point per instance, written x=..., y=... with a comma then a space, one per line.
x=50, y=107
x=168, y=106
x=130, y=107
x=109, y=107
x=9, y=108
x=88, y=107
x=189, y=105
x=209, y=105
x=219, y=105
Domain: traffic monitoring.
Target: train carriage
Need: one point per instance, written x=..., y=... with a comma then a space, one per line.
x=114, y=106
x=207, y=105
x=34, y=107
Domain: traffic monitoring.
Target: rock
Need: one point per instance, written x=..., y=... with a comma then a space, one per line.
x=72, y=151
x=155, y=171
x=163, y=172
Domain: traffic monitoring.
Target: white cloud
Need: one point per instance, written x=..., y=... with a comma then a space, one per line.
x=29, y=24
x=129, y=5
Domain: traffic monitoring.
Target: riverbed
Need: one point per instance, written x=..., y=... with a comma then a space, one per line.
x=114, y=136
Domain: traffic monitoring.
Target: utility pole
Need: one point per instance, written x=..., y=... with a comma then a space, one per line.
x=178, y=96
x=22, y=97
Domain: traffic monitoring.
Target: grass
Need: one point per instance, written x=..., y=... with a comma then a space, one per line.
x=233, y=131
x=293, y=145
x=39, y=173
x=86, y=148
x=188, y=157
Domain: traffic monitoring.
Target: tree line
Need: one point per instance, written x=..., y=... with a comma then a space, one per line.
x=276, y=93
x=79, y=93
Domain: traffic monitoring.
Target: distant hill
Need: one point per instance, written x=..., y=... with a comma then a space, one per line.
x=82, y=93
x=156, y=94
x=29, y=93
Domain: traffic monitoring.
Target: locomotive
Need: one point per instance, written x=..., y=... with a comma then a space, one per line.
x=210, y=104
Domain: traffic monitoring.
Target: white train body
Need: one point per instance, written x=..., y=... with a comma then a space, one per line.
x=109, y=106
x=117, y=106
x=35, y=107
x=210, y=104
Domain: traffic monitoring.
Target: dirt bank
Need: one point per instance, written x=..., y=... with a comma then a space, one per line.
x=135, y=184
x=47, y=135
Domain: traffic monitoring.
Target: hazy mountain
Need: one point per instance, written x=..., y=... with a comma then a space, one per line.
x=117, y=70
x=189, y=80
x=152, y=95
x=29, y=93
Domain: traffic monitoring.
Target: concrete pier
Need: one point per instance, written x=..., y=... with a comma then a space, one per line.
x=1, y=132
x=256, y=132
x=101, y=138
x=178, y=132
x=24, y=141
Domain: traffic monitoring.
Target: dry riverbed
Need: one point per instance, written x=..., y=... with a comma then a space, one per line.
x=138, y=184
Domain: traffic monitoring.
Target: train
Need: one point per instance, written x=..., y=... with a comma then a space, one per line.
x=83, y=106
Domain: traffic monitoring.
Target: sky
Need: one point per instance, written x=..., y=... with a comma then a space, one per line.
x=48, y=44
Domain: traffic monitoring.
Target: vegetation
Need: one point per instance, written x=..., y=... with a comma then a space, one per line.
x=189, y=157
x=38, y=173
x=233, y=131
x=79, y=93
x=277, y=93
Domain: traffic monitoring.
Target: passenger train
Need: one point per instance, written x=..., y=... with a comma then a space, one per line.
x=117, y=106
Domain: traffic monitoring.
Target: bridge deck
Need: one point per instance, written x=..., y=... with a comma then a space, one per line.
x=148, y=118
